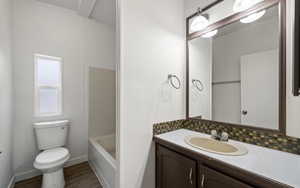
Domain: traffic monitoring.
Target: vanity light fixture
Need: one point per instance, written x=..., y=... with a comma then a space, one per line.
x=253, y=17
x=210, y=34
x=200, y=22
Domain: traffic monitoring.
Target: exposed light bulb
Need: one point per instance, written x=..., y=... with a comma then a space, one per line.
x=199, y=23
x=210, y=34
x=241, y=5
x=253, y=17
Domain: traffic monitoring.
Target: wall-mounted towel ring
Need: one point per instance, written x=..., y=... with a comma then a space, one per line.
x=198, y=84
x=171, y=81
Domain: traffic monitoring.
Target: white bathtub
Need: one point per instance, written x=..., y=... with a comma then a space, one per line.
x=102, y=159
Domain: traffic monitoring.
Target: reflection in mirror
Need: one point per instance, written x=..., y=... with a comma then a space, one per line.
x=238, y=73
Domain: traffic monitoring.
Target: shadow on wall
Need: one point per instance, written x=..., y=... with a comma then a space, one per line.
x=165, y=99
x=149, y=175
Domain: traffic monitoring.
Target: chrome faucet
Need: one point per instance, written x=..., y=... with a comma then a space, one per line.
x=219, y=136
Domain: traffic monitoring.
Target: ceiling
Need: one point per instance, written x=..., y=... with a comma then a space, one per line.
x=104, y=11
x=70, y=4
x=100, y=10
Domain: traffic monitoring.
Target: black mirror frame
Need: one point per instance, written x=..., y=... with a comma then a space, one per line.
x=296, y=61
x=282, y=69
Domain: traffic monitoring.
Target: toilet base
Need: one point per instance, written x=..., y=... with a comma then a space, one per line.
x=54, y=179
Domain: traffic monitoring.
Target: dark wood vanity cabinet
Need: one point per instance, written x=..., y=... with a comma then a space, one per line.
x=177, y=171
x=214, y=179
x=174, y=170
x=178, y=168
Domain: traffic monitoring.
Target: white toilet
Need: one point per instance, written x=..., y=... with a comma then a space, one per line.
x=51, y=137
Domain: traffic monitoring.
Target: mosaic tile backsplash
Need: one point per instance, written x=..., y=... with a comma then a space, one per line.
x=251, y=136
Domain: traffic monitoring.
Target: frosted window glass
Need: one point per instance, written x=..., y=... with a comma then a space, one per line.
x=48, y=86
x=49, y=100
x=48, y=72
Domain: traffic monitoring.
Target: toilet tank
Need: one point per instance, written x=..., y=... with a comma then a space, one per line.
x=51, y=134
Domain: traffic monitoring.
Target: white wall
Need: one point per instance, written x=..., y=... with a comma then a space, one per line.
x=200, y=65
x=152, y=46
x=5, y=94
x=102, y=102
x=227, y=52
x=54, y=31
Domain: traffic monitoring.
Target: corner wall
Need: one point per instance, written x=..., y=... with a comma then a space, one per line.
x=81, y=42
x=6, y=140
x=152, y=46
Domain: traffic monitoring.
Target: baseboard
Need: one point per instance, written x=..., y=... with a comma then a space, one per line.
x=11, y=182
x=77, y=160
x=33, y=173
x=27, y=175
x=99, y=175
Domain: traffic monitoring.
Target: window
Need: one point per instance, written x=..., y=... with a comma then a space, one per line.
x=48, y=86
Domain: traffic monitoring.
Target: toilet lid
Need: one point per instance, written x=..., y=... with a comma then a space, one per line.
x=52, y=156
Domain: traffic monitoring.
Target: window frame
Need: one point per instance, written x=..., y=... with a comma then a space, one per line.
x=38, y=87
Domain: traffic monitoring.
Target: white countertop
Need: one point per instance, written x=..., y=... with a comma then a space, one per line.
x=279, y=166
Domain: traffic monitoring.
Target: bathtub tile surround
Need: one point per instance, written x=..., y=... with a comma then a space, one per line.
x=260, y=138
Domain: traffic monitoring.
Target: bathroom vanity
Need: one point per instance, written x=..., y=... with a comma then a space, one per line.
x=236, y=84
x=180, y=165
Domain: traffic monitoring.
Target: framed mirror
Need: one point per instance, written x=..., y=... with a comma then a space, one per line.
x=236, y=68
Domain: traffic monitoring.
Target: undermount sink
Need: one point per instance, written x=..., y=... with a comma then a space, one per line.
x=215, y=146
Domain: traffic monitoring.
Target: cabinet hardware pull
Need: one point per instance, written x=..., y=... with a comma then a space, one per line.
x=191, y=175
x=202, y=180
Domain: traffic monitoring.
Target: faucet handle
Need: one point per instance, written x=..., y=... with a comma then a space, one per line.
x=214, y=134
x=224, y=136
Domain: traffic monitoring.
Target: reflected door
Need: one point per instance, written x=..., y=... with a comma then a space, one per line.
x=259, y=89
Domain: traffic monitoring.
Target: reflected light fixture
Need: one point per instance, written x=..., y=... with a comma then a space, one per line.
x=199, y=23
x=210, y=34
x=253, y=17
x=241, y=5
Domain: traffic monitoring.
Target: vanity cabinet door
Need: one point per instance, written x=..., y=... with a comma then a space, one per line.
x=210, y=178
x=174, y=170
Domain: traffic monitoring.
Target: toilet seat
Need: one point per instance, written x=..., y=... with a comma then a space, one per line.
x=51, y=158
